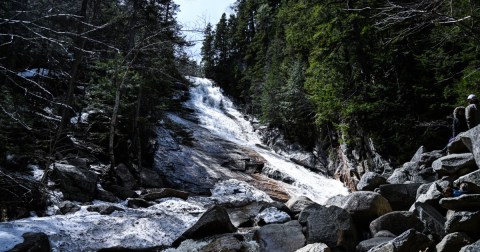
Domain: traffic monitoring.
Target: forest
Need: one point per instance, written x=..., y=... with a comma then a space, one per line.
x=329, y=72
x=115, y=62
x=339, y=71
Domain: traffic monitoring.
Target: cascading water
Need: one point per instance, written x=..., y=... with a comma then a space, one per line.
x=218, y=114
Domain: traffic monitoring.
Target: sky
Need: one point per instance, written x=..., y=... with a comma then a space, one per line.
x=195, y=14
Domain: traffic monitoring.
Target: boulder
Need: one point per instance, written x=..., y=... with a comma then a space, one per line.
x=138, y=203
x=331, y=225
x=455, y=164
x=297, y=204
x=472, y=177
x=422, y=189
x=213, y=221
x=273, y=237
x=366, y=245
x=370, y=181
x=122, y=192
x=472, y=141
x=124, y=176
x=76, y=184
x=453, y=242
x=432, y=195
x=432, y=219
x=467, y=222
x=67, y=207
x=384, y=233
x=457, y=146
x=399, y=176
x=224, y=243
x=107, y=196
x=475, y=247
x=151, y=178
x=410, y=240
x=165, y=193
x=315, y=247
x=365, y=206
x=465, y=202
x=271, y=215
x=427, y=158
x=104, y=209
x=417, y=157
x=83, y=163
x=396, y=222
x=245, y=216
x=37, y=242
x=400, y=196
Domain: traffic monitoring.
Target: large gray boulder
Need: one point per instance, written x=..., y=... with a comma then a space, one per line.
x=370, y=181
x=472, y=177
x=457, y=146
x=400, y=196
x=365, y=206
x=453, y=242
x=432, y=219
x=213, y=221
x=471, y=139
x=433, y=194
x=466, y=202
x=399, y=176
x=396, y=222
x=475, y=247
x=455, y=164
x=331, y=225
x=244, y=216
x=297, y=204
x=75, y=183
x=287, y=237
x=410, y=240
x=467, y=222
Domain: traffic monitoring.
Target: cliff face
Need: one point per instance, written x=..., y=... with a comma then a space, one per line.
x=345, y=162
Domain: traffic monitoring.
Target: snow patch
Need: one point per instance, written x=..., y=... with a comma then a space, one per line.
x=29, y=73
x=157, y=225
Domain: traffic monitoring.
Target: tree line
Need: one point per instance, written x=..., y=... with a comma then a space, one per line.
x=343, y=71
x=116, y=62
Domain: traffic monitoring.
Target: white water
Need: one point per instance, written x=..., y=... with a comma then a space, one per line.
x=218, y=114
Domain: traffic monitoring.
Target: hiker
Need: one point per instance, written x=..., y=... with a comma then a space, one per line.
x=459, y=121
x=472, y=111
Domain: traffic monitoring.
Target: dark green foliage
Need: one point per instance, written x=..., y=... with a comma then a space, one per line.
x=88, y=47
x=363, y=67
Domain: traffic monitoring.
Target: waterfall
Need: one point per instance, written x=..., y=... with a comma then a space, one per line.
x=218, y=114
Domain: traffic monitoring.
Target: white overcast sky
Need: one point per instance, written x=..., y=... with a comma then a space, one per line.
x=195, y=14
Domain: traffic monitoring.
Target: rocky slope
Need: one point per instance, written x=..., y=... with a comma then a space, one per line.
x=215, y=195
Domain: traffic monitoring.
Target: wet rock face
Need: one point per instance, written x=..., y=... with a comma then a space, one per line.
x=196, y=167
